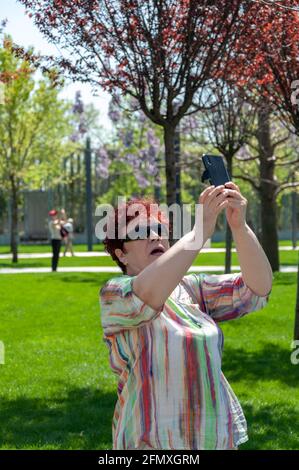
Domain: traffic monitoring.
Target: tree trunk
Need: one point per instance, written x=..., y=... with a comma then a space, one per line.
x=170, y=170
x=80, y=195
x=228, y=232
x=71, y=194
x=14, y=224
x=267, y=191
x=89, y=220
x=177, y=151
x=64, y=190
x=157, y=183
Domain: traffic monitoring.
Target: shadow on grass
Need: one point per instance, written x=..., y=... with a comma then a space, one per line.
x=272, y=362
x=97, y=279
x=88, y=278
x=271, y=427
x=81, y=420
x=23, y=265
x=284, y=279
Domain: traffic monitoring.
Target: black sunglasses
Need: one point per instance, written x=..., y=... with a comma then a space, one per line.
x=142, y=232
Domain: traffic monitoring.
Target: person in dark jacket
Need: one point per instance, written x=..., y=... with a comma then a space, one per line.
x=54, y=228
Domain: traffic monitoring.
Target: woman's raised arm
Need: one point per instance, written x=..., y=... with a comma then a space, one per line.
x=157, y=281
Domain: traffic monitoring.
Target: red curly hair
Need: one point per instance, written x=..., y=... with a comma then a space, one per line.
x=111, y=244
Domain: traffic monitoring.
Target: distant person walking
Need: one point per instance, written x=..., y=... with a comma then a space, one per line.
x=54, y=228
x=69, y=227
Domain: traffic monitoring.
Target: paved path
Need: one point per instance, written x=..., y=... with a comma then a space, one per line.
x=87, y=254
x=112, y=269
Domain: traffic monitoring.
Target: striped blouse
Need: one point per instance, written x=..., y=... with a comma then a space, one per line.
x=171, y=391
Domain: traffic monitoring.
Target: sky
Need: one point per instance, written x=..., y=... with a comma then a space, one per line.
x=25, y=33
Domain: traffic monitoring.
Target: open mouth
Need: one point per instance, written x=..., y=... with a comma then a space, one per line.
x=157, y=251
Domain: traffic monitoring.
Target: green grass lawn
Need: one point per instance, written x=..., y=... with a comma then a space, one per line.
x=203, y=259
x=222, y=244
x=58, y=392
x=44, y=248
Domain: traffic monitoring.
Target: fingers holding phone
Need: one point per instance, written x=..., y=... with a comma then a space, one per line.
x=214, y=200
x=237, y=206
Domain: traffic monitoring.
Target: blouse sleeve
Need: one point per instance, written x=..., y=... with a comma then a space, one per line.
x=225, y=296
x=121, y=308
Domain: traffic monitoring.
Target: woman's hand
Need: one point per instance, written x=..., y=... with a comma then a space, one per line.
x=236, y=209
x=214, y=200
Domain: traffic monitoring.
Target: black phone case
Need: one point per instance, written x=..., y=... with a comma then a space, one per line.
x=215, y=170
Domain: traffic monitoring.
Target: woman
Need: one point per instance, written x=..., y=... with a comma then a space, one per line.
x=161, y=326
x=69, y=226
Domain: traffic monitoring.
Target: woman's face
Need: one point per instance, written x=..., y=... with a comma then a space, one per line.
x=137, y=254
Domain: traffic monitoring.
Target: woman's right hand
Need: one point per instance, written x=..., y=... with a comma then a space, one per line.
x=214, y=200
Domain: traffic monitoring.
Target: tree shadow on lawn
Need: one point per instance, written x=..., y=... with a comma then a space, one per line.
x=81, y=420
x=98, y=279
x=88, y=278
x=285, y=279
x=23, y=265
x=272, y=427
x=271, y=362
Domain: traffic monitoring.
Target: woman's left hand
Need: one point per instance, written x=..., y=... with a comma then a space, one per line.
x=236, y=209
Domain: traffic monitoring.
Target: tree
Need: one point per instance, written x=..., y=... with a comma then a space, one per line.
x=269, y=65
x=266, y=166
x=160, y=52
x=227, y=127
x=33, y=130
x=84, y=120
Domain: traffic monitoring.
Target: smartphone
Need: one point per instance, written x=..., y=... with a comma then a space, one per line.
x=215, y=170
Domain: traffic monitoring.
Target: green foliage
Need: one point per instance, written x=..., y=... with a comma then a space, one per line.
x=122, y=183
x=34, y=125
